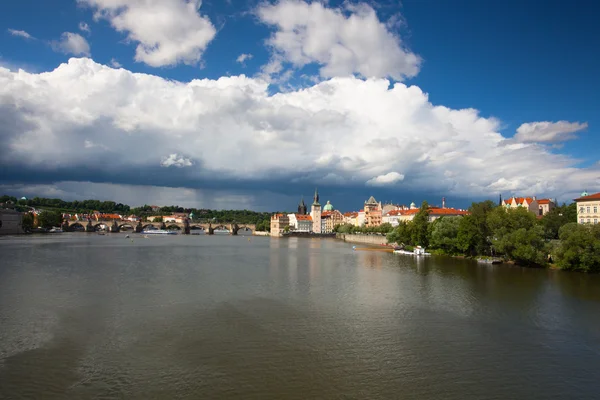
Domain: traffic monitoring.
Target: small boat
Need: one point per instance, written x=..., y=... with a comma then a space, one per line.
x=417, y=251
x=158, y=232
x=55, y=230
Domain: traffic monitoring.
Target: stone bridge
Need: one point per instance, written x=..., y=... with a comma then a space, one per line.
x=185, y=227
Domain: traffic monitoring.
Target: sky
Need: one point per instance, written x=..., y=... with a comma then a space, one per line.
x=252, y=104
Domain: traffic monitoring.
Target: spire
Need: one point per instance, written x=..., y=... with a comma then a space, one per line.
x=316, y=198
x=500, y=201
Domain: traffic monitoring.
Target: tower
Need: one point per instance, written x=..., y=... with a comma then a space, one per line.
x=500, y=201
x=302, y=207
x=315, y=213
x=443, y=202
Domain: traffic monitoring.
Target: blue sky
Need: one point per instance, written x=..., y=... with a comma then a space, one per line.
x=528, y=67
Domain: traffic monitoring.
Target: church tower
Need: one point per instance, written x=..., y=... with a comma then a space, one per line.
x=315, y=213
x=302, y=210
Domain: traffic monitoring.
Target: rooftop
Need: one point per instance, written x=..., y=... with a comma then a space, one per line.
x=595, y=196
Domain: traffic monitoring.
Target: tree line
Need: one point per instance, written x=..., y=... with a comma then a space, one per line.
x=54, y=207
x=514, y=234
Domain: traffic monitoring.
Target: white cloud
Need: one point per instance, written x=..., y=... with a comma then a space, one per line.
x=358, y=43
x=243, y=57
x=343, y=130
x=72, y=43
x=115, y=63
x=391, y=178
x=168, y=32
x=84, y=27
x=175, y=160
x=19, y=33
x=548, y=132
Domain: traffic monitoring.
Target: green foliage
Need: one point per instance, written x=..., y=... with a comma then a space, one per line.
x=474, y=234
x=27, y=222
x=444, y=234
x=558, y=217
x=402, y=234
x=49, y=219
x=525, y=246
x=579, y=249
x=420, y=223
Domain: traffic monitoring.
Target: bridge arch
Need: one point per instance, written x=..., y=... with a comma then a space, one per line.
x=127, y=224
x=76, y=226
x=173, y=227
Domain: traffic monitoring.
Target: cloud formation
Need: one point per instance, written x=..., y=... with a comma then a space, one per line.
x=84, y=27
x=86, y=121
x=390, y=178
x=344, y=41
x=548, y=132
x=72, y=43
x=115, y=63
x=175, y=160
x=168, y=32
x=19, y=33
x=243, y=57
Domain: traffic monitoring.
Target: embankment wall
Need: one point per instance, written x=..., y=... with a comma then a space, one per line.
x=364, y=239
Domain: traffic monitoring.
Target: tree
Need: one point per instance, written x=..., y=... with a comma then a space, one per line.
x=27, y=222
x=525, y=246
x=473, y=234
x=558, y=217
x=402, y=234
x=420, y=222
x=444, y=234
x=579, y=249
x=48, y=219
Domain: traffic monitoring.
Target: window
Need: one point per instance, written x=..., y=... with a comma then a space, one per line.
x=588, y=209
x=595, y=221
x=581, y=220
x=595, y=209
x=589, y=221
x=580, y=210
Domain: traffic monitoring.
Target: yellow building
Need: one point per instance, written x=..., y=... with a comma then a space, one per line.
x=278, y=224
x=588, y=208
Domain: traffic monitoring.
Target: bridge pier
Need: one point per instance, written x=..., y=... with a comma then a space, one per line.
x=90, y=227
x=115, y=227
x=139, y=228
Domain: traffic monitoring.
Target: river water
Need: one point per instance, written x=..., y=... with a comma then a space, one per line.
x=99, y=317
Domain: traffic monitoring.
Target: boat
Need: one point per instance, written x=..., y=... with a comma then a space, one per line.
x=55, y=230
x=417, y=251
x=158, y=232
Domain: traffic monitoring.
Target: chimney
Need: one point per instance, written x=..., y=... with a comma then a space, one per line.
x=443, y=202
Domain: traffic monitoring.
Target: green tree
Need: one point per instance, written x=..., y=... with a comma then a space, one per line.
x=473, y=234
x=579, y=247
x=444, y=234
x=49, y=219
x=402, y=234
x=525, y=246
x=420, y=234
x=27, y=222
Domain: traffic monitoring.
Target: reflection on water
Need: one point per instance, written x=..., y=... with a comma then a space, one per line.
x=87, y=316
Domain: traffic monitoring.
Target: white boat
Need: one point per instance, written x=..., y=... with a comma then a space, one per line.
x=418, y=251
x=55, y=230
x=158, y=232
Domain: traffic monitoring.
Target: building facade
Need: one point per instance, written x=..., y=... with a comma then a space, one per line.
x=588, y=208
x=373, y=212
x=278, y=224
x=315, y=213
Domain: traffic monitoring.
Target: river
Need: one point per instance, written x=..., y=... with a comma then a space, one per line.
x=85, y=316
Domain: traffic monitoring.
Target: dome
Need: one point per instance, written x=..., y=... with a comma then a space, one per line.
x=328, y=206
x=413, y=205
x=585, y=193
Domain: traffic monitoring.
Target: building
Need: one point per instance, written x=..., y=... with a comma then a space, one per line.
x=155, y=208
x=537, y=206
x=395, y=217
x=278, y=224
x=300, y=222
x=10, y=223
x=545, y=205
x=178, y=218
x=530, y=203
x=315, y=213
x=373, y=212
x=302, y=207
x=588, y=208
x=331, y=219
x=350, y=218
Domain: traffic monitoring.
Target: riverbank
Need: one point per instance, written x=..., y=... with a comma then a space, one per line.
x=374, y=239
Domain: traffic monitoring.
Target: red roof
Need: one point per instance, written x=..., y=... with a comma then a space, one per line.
x=519, y=200
x=544, y=201
x=302, y=217
x=447, y=211
x=595, y=196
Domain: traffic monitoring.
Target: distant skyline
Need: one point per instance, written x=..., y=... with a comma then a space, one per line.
x=251, y=104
